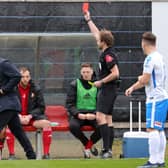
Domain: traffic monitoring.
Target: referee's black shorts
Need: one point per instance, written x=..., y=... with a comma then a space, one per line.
x=106, y=98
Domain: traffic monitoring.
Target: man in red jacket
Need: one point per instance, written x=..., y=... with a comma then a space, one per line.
x=32, y=112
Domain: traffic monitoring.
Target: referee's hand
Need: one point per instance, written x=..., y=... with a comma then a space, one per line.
x=98, y=83
x=87, y=16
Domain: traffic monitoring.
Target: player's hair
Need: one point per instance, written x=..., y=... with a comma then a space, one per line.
x=85, y=65
x=150, y=38
x=107, y=37
x=24, y=69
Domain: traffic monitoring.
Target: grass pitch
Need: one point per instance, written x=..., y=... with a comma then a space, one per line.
x=71, y=148
x=74, y=163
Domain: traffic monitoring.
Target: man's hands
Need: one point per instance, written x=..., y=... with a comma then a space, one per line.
x=88, y=116
x=1, y=92
x=129, y=91
x=141, y=82
x=87, y=16
x=98, y=84
x=25, y=119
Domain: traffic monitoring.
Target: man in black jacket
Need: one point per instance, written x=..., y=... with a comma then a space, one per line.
x=32, y=112
x=10, y=106
x=81, y=104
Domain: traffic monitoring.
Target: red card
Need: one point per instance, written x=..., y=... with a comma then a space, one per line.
x=85, y=7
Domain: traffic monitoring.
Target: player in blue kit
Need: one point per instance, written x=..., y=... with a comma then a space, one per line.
x=153, y=78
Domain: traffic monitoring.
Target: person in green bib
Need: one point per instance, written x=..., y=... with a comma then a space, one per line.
x=81, y=104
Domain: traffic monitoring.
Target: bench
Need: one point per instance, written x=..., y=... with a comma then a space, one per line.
x=59, y=114
x=54, y=113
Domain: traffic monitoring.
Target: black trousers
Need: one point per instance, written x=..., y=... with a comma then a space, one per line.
x=75, y=128
x=11, y=119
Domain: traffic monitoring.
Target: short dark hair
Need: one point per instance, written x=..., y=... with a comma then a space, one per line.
x=107, y=37
x=85, y=65
x=149, y=37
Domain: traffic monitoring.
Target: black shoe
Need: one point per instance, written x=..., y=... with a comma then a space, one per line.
x=94, y=151
x=12, y=157
x=149, y=165
x=162, y=165
x=31, y=155
x=105, y=154
x=47, y=156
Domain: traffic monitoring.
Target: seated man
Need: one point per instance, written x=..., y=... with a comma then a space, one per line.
x=33, y=108
x=81, y=104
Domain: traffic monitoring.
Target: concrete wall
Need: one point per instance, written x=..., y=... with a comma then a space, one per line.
x=160, y=28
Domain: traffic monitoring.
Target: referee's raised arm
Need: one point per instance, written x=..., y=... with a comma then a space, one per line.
x=93, y=28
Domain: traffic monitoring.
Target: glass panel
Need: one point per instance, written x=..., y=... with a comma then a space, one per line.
x=54, y=59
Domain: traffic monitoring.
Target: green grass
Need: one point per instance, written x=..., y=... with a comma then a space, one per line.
x=78, y=163
x=72, y=148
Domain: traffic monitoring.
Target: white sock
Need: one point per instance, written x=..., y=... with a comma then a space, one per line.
x=154, y=144
x=162, y=148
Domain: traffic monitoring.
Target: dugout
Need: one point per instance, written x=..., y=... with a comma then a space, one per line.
x=52, y=38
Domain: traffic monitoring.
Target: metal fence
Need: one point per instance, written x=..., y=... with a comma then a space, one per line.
x=54, y=59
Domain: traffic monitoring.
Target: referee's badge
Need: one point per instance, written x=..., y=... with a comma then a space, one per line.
x=100, y=67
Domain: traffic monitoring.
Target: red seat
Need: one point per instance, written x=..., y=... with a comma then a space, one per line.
x=29, y=128
x=58, y=114
x=87, y=128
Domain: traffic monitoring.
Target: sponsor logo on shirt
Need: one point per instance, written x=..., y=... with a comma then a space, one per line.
x=158, y=124
x=87, y=96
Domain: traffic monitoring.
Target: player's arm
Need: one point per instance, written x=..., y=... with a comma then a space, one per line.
x=144, y=78
x=93, y=28
x=71, y=99
x=142, y=81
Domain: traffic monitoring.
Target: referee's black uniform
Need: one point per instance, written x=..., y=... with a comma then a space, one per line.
x=107, y=95
x=108, y=92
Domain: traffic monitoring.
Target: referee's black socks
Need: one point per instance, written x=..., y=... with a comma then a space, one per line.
x=104, y=131
x=111, y=137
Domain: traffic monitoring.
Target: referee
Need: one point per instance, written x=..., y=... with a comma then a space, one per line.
x=107, y=84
